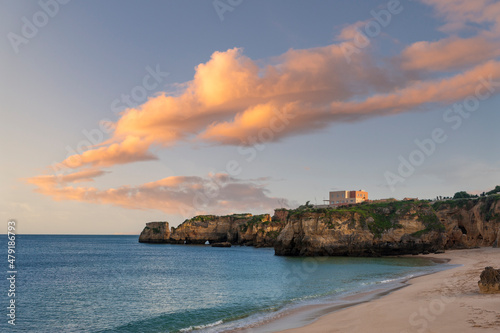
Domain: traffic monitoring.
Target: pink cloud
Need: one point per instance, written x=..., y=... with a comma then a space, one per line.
x=449, y=54
x=185, y=195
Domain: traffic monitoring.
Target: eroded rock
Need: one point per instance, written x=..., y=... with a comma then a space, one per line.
x=155, y=232
x=489, y=282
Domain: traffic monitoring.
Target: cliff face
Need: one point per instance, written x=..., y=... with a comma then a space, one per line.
x=390, y=228
x=155, y=232
x=363, y=230
x=471, y=222
x=242, y=229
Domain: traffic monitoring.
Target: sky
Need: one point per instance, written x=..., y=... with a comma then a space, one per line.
x=116, y=113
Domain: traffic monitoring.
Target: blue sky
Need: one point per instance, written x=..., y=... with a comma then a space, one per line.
x=66, y=79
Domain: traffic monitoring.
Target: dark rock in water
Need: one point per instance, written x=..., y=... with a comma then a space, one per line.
x=438, y=251
x=223, y=244
x=490, y=281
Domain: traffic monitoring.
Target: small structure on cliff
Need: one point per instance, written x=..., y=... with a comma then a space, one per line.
x=342, y=198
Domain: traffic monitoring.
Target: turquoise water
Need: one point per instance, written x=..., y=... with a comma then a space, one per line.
x=115, y=284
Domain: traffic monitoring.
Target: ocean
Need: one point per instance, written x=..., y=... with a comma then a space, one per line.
x=72, y=283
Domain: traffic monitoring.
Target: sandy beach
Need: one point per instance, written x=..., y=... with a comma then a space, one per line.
x=447, y=301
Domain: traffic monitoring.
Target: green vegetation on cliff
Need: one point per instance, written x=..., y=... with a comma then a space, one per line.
x=203, y=218
x=385, y=215
x=494, y=191
x=253, y=221
x=467, y=203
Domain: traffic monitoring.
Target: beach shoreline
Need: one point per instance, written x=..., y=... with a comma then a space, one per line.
x=445, y=301
x=304, y=313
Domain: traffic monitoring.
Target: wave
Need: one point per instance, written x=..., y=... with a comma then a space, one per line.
x=200, y=327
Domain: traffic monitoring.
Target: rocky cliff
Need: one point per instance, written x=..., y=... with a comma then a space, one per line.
x=155, y=232
x=470, y=222
x=368, y=229
x=391, y=228
x=242, y=229
x=362, y=230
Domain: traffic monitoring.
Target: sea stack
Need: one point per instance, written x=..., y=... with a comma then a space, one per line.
x=155, y=232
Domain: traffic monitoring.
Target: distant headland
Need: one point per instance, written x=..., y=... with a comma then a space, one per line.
x=365, y=228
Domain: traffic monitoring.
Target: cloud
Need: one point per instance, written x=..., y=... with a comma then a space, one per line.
x=442, y=91
x=449, y=53
x=75, y=177
x=184, y=195
x=131, y=149
x=352, y=31
x=466, y=14
x=231, y=98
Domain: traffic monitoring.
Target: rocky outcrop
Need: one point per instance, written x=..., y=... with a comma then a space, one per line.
x=241, y=229
x=489, y=282
x=223, y=244
x=203, y=228
x=362, y=230
x=367, y=229
x=155, y=232
x=470, y=222
x=391, y=228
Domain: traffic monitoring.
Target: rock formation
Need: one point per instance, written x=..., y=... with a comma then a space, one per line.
x=489, y=282
x=223, y=244
x=367, y=229
x=470, y=222
x=362, y=230
x=241, y=229
x=155, y=232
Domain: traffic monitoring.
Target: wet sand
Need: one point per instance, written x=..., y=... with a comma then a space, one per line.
x=444, y=302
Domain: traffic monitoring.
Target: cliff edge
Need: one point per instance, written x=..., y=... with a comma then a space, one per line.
x=236, y=229
x=366, y=229
x=391, y=228
x=155, y=232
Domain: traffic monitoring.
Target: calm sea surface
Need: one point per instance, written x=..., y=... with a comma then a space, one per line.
x=115, y=284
